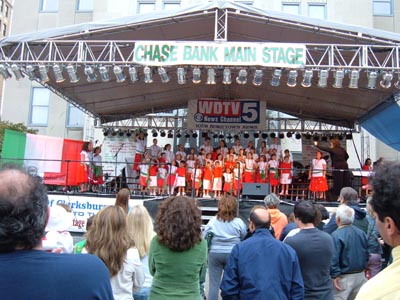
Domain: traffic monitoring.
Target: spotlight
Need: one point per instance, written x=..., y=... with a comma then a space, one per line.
x=162, y=133
x=187, y=135
x=264, y=135
x=204, y=134
x=170, y=135
x=163, y=75
x=386, y=81
x=324, y=138
x=106, y=132
x=91, y=75
x=43, y=73
x=128, y=133
x=349, y=136
x=227, y=78
x=258, y=75
x=292, y=78
x=221, y=135
x=215, y=135
x=119, y=74
x=256, y=135
x=195, y=135
x=242, y=77
x=120, y=133
x=57, y=70
x=308, y=136
x=196, y=75
x=246, y=135
x=323, y=78
x=17, y=72
x=30, y=70
x=4, y=71
x=341, y=137
x=114, y=132
x=181, y=74
x=211, y=76
x=276, y=77
x=272, y=135
x=154, y=133
x=289, y=134
x=354, y=76
x=105, y=77
x=298, y=136
x=315, y=137
x=372, y=77
x=148, y=75
x=133, y=74
x=281, y=135
x=307, y=78
x=339, y=75
x=179, y=135
x=71, y=71
x=397, y=83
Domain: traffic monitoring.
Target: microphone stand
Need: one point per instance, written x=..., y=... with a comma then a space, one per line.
x=115, y=170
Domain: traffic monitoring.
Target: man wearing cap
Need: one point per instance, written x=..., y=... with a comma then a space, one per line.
x=26, y=270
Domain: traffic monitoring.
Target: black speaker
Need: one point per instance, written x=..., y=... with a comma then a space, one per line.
x=255, y=190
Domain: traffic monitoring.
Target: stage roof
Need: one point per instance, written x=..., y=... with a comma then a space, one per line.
x=349, y=48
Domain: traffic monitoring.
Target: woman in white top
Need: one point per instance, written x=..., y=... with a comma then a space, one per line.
x=108, y=239
x=317, y=174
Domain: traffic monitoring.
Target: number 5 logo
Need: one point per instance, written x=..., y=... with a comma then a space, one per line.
x=250, y=112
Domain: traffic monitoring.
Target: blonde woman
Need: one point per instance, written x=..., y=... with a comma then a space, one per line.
x=141, y=232
x=108, y=239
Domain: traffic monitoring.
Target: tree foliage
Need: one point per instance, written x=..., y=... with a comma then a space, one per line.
x=11, y=126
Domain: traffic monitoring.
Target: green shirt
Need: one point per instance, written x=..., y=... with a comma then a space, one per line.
x=79, y=247
x=176, y=275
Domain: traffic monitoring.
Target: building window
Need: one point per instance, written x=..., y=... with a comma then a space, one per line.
x=49, y=5
x=7, y=10
x=291, y=8
x=84, y=5
x=317, y=11
x=4, y=29
x=75, y=117
x=1, y=5
x=171, y=5
x=383, y=7
x=39, y=106
x=146, y=7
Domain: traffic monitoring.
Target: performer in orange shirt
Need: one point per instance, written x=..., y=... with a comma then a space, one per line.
x=229, y=163
x=152, y=182
x=181, y=179
x=217, y=181
x=207, y=179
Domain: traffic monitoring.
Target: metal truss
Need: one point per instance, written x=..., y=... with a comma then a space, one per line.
x=318, y=56
x=272, y=125
x=221, y=26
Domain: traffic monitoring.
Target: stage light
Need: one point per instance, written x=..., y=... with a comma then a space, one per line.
x=221, y=135
x=17, y=72
x=4, y=71
x=354, y=76
x=90, y=74
x=276, y=77
x=57, y=70
x=105, y=77
x=154, y=133
x=397, y=83
x=372, y=77
x=215, y=135
x=133, y=75
x=121, y=133
x=297, y=136
x=162, y=133
x=196, y=75
x=179, y=134
x=264, y=135
x=106, y=132
x=323, y=78
x=128, y=133
x=257, y=79
x=148, y=75
x=30, y=70
x=272, y=135
x=242, y=77
x=227, y=78
x=349, y=136
x=308, y=136
x=315, y=137
x=170, y=135
x=281, y=135
x=386, y=81
x=181, y=74
x=119, y=74
x=256, y=135
x=339, y=75
x=211, y=76
x=341, y=137
x=43, y=73
x=307, y=78
x=163, y=75
x=71, y=71
x=292, y=78
x=324, y=138
x=204, y=134
x=187, y=135
x=195, y=135
x=246, y=135
x=289, y=134
x=114, y=132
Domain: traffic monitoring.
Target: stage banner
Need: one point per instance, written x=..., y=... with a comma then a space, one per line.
x=167, y=53
x=231, y=115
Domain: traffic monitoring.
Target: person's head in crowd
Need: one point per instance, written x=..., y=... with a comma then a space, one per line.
x=60, y=218
x=386, y=201
x=140, y=228
x=167, y=147
x=86, y=146
x=291, y=217
x=108, y=238
x=178, y=223
x=23, y=210
x=97, y=150
x=305, y=212
x=335, y=142
x=89, y=222
x=272, y=201
x=348, y=196
x=227, y=209
x=259, y=218
x=122, y=199
x=368, y=162
x=344, y=215
x=323, y=211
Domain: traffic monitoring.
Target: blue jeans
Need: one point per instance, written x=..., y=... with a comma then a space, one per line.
x=142, y=294
x=216, y=265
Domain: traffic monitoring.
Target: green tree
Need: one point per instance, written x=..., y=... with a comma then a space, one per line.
x=11, y=126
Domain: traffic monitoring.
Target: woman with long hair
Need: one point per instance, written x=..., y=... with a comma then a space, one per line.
x=178, y=254
x=228, y=230
x=141, y=232
x=122, y=199
x=108, y=239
